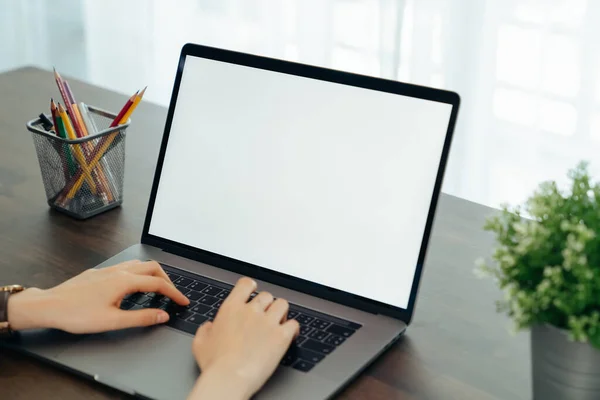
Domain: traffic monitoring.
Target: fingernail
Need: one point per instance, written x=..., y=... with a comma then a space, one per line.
x=162, y=317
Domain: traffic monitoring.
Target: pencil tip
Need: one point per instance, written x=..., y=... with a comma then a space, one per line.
x=143, y=91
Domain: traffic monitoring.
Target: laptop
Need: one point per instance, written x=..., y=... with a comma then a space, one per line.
x=319, y=184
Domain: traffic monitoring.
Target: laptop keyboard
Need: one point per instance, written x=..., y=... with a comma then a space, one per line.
x=320, y=333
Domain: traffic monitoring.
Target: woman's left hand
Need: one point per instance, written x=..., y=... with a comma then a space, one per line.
x=89, y=302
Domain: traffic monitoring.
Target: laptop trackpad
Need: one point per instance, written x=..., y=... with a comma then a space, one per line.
x=156, y=362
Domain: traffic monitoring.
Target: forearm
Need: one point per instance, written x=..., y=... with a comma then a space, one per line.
x=29, y=309
x=218, y=385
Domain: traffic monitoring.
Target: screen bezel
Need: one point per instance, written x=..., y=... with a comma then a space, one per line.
x=323, y=74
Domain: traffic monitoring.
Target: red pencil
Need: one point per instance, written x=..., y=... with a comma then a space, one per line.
x=124, y=110
x=54, y=111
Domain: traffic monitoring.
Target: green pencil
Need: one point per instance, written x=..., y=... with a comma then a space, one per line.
x=62, y=132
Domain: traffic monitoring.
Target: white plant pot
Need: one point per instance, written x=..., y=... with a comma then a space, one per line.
x=562, y=369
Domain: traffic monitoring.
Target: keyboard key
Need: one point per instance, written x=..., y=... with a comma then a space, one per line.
x=197, y=319
x=140, y=299
x=153, y=303
x=303, y=366
x=304, y=319
x=193, y=295
x=201, y=309
x=223, y=295
x=288, y=359
x=320, y=324
x=132, y=296
x=183, y=281
x=318, y=335
x=212, y=313
x=317, y=346
x=182, y=289
x=213, y=291
x=292, y=314
x=126, y=305
x=197, y=285
x=252, y=295
x=334, y=340
x=218, y=304
x=165, y=299
x=340, y=330
x=191, y=305
x=299, y=340
x=305, y=330
x=185, y=314
x=173, y=277
x=174, y=309
x=183, y=325
x=150, y=294
x=208, y=300
x=309, y=355
x=136, y=307
x=158, y=297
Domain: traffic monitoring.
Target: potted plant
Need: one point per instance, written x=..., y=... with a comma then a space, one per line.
x=547, y=261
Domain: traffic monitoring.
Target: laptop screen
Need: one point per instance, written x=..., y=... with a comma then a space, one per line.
x=318, y=180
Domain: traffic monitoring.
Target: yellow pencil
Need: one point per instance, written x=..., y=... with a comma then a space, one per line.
x=106, y=144
x=88, y=146
x=137, y=101
x=77, y=150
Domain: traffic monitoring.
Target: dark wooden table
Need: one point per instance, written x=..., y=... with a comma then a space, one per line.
x=456, y=348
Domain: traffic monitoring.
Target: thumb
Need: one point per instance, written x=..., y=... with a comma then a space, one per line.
x=131, y=319
x=202, y=333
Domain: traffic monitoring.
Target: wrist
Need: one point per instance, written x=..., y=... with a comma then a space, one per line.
x=222, y=384
x=27, y=309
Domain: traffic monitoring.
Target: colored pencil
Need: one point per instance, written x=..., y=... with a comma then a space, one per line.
x=76, y=149
x=101, y=148
x=126, y=107
x=64, y=90
x=88, y=147
x=61, y=131
x=92, y=130
x=53, y=112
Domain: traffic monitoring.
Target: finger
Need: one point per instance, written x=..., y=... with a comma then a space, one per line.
x=151, y=268
x=202, y=333
x=242, y=291
x=121, y=265
x=278, y=310
x=144, y=283
x=291, y=329
x=130, y=319
x=262, y=301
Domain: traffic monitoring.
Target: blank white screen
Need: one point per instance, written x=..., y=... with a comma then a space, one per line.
x=322, y=181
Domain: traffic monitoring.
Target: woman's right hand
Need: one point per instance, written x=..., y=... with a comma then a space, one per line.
x=241, y=349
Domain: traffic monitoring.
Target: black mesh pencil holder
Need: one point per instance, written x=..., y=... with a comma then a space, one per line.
x=83, y=177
